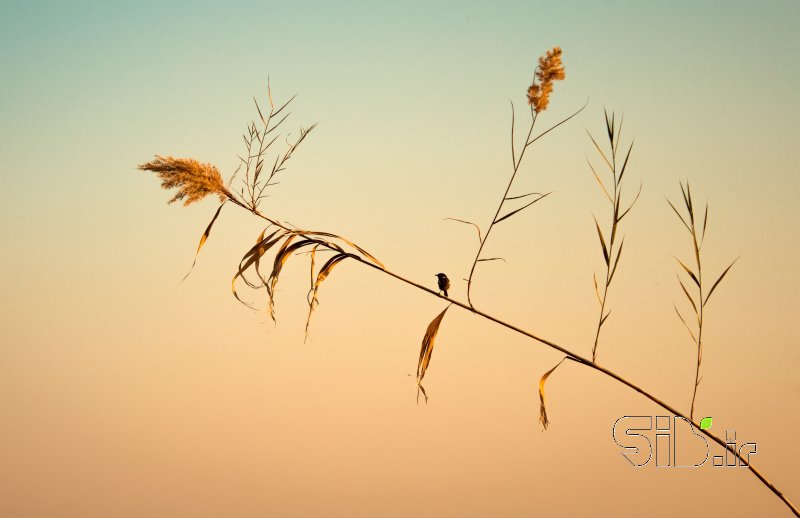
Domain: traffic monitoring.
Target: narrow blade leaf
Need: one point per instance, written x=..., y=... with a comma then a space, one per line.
x=427, y=345
x=480, y=238
x=616, y=261
x=689, y=271
x=602, y=241
x=685, y=324
x=679, y=216
x=521, y=208
x=203, y=240
x=718, y=281
x=542, y=408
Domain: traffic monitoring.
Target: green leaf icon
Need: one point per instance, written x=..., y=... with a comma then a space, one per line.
x=705, y=423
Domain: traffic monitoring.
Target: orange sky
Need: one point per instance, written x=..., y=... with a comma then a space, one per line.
x=124, y=392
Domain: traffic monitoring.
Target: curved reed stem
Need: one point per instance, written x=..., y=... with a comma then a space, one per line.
x=570, y=355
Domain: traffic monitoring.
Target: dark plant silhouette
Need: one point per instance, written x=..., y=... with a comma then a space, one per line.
x=281, y=240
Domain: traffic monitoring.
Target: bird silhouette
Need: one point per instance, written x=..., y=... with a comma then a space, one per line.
x=444, y=283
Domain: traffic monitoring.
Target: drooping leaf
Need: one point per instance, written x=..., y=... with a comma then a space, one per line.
x=480, y=238
x=203, y=239
x=281, y=256
x=334, y=236
x=542, y=409
x=427, y=344
x=321, y=276
x=251, y=257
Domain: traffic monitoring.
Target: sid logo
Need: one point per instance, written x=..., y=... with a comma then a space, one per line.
x=633, y=434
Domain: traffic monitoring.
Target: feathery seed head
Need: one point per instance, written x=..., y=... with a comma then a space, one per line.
x=550, y=69
x=194, y=180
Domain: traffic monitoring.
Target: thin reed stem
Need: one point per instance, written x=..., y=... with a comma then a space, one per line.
x=570, y=355
x=516, y=161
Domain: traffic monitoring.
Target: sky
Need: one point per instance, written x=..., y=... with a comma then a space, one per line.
x=126, y=392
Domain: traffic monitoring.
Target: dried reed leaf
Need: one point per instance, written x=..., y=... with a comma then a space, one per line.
x=492, y=259
x=521, y=208
x=480, y=238
x=616, y=261
x=602, y=320
x=718, y=281
x=599, y=182
x=635, y=199
x=625, y=163
x=685, y=324
x=619, y=133
x=686, y=292
x=542, y=409
x=614, y=224
x=596, y=289
x=313, y=254
x=250, y=258
x=609, y=126
x=421, y=389
x=679, y=216
x=690, y=272
x=427, y=345
x=705, y=224
x=253, y=257
x=608, y=163
x=281, y=256
x=257, y=263
x=326, y=269
x=203, y=240
x=334, y=236
x=602, y=241
x=522, y=196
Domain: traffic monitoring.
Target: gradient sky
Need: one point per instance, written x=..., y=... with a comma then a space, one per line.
x=126, y=393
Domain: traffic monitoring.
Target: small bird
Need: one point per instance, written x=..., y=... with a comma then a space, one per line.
x=444, y=283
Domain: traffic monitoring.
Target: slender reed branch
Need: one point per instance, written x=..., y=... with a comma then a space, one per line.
x=611, y=255
x=577, y=358
x=692, y=225
x=516, y=162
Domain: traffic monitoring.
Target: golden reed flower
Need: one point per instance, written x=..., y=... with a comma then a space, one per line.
x=194, y=180
x=550, y=69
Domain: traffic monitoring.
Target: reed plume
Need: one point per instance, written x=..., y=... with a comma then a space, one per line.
x=550, y=69
x=194, y=180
